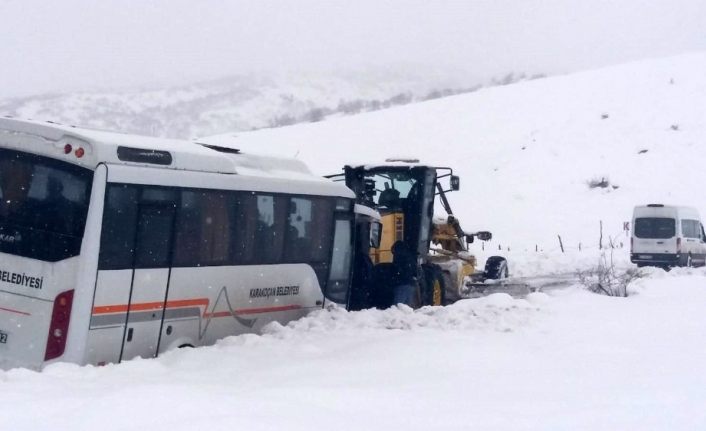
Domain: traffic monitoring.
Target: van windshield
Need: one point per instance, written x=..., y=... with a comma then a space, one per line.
x=43, y=206
x=655, y=227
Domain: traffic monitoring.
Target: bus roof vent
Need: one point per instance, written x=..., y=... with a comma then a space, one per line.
x=140, y=155
x=655, y=205
x=402, y=159
x=221, y=149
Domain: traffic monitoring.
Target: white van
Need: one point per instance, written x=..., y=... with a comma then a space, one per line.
x=665, y=235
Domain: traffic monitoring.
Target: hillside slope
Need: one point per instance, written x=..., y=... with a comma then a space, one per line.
x=527, y=151
x=243, y=102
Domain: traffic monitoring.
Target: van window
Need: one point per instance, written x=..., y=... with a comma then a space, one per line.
x=655, y=227
x=691, y=228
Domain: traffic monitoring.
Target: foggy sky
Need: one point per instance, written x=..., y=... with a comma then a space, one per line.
x=61, y=46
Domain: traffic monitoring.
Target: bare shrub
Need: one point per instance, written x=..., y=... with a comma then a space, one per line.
x=595, y=183
x=282, y=120
x=605, y=279
x=317, y=114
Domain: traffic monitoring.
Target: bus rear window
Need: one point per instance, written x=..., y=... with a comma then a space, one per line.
x=43, y=206
x=655, y=227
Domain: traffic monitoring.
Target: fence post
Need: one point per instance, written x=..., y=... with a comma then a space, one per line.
x=600, y=238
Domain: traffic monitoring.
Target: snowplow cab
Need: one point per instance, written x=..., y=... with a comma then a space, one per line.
x=404, y=197
x=403, y=192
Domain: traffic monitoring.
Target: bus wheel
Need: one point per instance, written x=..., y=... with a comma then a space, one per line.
x=186, y=346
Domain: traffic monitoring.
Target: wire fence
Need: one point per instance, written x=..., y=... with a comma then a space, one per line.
x=615, y=241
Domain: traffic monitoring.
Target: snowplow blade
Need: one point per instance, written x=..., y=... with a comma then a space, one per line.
x=515, y=289
x=521, y=286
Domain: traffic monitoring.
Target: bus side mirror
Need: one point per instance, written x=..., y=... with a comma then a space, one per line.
x=455, y=183
x=375, y=234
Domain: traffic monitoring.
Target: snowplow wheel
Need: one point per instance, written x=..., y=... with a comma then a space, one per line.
x=496, y=268
x=435, y=285
x=436, y=293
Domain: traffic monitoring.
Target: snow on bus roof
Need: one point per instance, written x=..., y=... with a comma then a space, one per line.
x=102, y=147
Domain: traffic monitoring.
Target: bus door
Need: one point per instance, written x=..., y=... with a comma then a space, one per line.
x=151, y=272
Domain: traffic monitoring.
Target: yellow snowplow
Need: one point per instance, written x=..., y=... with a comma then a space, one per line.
x=404, y=193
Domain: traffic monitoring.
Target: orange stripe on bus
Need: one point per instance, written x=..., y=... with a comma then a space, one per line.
x=267, y=309
x=15, y=311
x=146, y=306
x=181, y=303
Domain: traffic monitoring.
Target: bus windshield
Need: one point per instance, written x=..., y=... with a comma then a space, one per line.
x=43, y=206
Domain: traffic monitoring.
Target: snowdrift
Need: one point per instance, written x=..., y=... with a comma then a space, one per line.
x=569, y=360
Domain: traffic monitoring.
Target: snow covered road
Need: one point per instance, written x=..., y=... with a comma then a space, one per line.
x=564, y=360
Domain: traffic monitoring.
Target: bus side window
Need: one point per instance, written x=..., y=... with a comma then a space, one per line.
x=298, y=234
x=341, y=259
x=245, y=220
x=154, y=229
x=309, y=230
x=119, y=223
x=203, y=232
x=269, y=233
x=186, y=241
x=156, y=214
x=321, y=228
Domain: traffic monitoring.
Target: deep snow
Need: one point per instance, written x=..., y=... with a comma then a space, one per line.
x=566, y=360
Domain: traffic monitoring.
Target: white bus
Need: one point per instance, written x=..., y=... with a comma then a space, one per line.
x=115, y=246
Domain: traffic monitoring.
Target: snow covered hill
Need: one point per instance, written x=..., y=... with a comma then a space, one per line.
x=527, y=152
x=243, y=102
